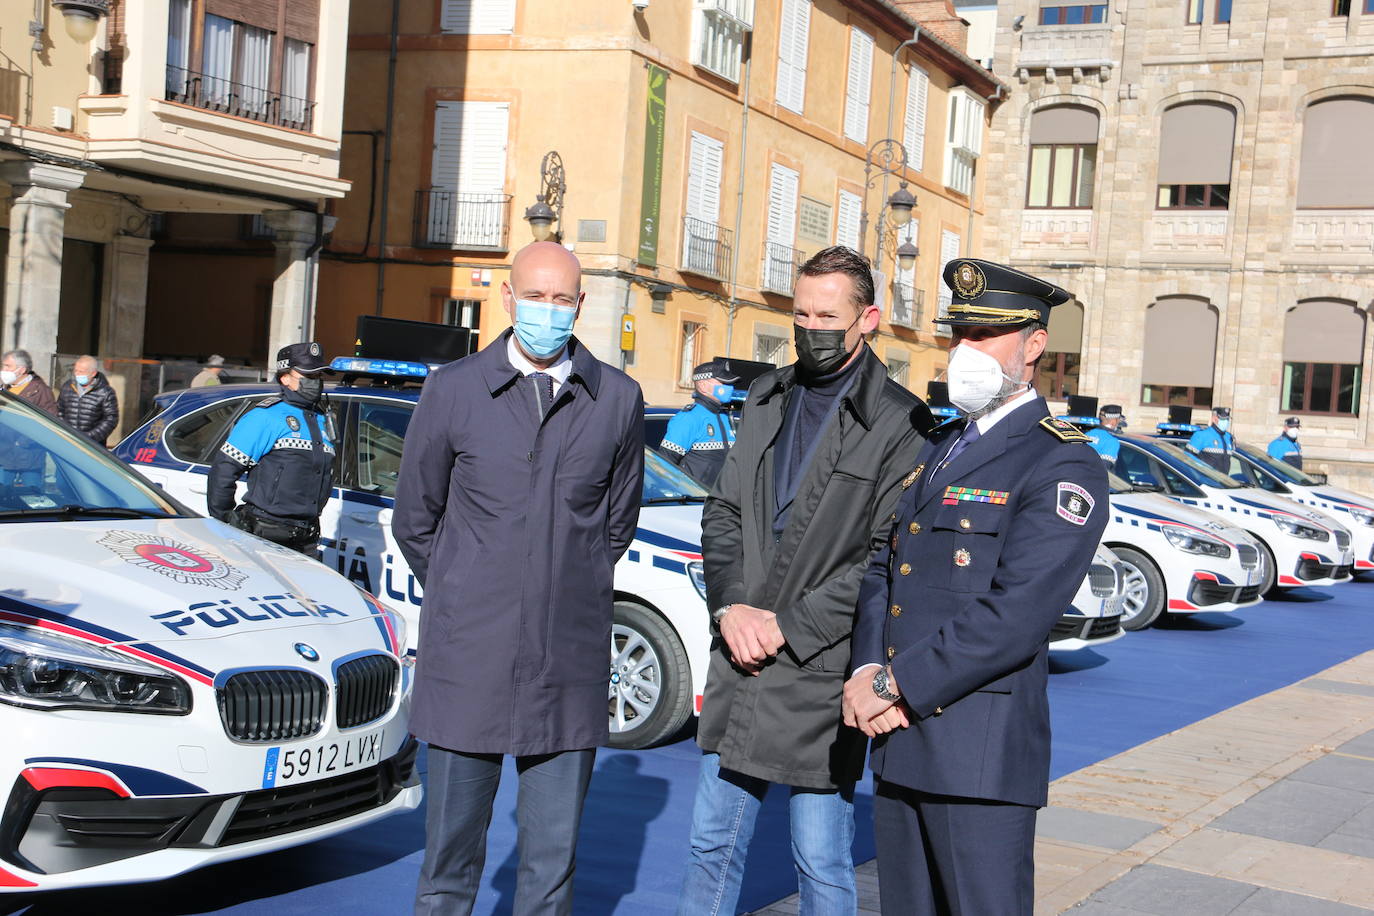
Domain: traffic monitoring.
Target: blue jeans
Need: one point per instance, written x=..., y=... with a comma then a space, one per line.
x=727, y=805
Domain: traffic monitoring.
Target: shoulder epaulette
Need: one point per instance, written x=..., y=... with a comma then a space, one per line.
x=1063, y=430
x=268, y=402
x=689, y=405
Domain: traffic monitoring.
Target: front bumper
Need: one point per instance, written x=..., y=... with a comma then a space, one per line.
x=70, y=836
x=1073, y=632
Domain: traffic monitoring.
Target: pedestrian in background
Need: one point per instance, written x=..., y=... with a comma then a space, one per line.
x=700, y=435
x=519, y=490
x=1103, y=437
x=19, y=379
x=802, y=500
x=88, y=402
x=1286, y=447
x=996, y=528
x=210, y=374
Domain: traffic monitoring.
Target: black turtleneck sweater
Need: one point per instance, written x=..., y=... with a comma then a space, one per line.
x=810, y=407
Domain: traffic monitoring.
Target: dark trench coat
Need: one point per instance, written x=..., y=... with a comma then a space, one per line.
x=512, y=526
x=785, y=725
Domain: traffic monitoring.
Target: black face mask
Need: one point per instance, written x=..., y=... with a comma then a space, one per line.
x=821, y=352
x=308, y=394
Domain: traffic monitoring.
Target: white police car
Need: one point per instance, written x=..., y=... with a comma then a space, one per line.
x=174, y=692
x=1095, y=616
x=1255, y=467
x=660, y=638
x=1302, y=546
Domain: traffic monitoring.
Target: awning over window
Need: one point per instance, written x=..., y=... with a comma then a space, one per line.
x=1195, y=144
x=1064, y=124
x=1323, y=331
x=1066, y=328
x=1180, y=343
x=1337, y=136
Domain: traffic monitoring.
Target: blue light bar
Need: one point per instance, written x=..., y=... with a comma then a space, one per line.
x=946, y=411
x=1178, y=428
x=1080, y=421
x=396, y=368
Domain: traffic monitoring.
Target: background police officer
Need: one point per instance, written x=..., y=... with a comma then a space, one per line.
x=1215, y=444
x=700, y=435
x=286, y=444
x=1286, y=447
x=1104, y=436
x=996, y=528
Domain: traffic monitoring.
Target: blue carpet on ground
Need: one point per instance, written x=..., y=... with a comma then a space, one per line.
x=634, y=831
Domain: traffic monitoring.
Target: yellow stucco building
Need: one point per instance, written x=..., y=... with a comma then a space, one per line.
x=706, y=148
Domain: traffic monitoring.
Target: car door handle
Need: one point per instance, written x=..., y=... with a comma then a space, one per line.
x=197, y=488
x=381, y=518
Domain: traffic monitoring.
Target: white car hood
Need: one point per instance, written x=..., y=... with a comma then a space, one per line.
x=1339, y=495
x=1261, y=499
x=1162, y=509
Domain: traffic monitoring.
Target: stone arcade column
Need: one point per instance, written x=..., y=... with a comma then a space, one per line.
x=293, y=291
x=33, y=272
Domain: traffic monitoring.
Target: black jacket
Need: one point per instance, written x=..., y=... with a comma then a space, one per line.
x=784, y=725
x=94, y=413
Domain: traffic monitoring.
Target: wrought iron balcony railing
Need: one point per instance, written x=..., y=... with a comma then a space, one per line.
x=907, y=302
x=448, y=219
x=705, y=248
x=216, y=93
x=781, y=264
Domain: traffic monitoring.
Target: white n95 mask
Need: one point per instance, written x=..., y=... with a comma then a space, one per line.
x=974, y=378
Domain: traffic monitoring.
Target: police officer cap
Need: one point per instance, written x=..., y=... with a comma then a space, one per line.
x=1292, y=423
x=1111, y=410
x=994, y=295
x=717, y=369
x=1222, y=412
x=304, y=357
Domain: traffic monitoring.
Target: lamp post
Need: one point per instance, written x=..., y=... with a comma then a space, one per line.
x=82, y=17
x=548, y=206
x=887, y=157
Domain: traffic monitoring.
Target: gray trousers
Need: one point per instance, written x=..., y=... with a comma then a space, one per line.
x=459, y=795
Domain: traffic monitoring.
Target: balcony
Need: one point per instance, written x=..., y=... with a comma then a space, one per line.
x=1203, y=231
x=781, y=264
x=215, y=93
x=1057, y=228
x=1333, y=232
x=471, y=222
x=705, y=248
x=1066, y=49
x=907, y=303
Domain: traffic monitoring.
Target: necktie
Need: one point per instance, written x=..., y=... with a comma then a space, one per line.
x=970, y=435
x=543, y=386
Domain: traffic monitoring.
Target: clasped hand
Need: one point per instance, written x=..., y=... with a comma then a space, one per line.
x=752, y=635
x=868, y=712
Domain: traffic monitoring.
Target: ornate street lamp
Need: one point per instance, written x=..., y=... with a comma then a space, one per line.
x=886, y=157
x=548, y=207
x=82, y=17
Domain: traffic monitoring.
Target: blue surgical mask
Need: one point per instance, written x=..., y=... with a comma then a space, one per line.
x=542, y=327
x=1223, y=425
x=723, y=394
x=83, y=380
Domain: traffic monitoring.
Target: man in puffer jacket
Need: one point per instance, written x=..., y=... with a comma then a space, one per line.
x=87, y=401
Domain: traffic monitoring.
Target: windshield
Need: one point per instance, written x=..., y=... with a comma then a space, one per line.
x=665, y=483
x=49, y=472
x=1280, y=469
x=1193, y=467
x=1117, y=485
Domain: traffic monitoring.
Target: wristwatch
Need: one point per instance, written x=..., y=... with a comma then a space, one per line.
x=882, y=682
x=717, y=614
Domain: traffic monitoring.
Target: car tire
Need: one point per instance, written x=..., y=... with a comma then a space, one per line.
x=1145, y=596
x=1269, y=585
x=646, y=656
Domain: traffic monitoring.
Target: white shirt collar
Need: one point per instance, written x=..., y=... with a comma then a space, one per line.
x=560, y=370
x=987, y=422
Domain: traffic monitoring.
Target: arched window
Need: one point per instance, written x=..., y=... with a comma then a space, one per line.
x=1180, y=352
x=1323, y=349
x=1195, y=145
x=1063, y=157
x=1337, y=135
x=1057, y=375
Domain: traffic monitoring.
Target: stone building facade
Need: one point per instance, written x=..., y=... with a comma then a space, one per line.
x=1197, y=173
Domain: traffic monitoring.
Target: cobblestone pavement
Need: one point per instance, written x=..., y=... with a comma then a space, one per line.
x=1264, y=809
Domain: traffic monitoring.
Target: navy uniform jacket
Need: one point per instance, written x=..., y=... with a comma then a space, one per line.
x=1214, y=447
x=1286, y=449
x=288, y=453
x=697, y=440
x=983, y=558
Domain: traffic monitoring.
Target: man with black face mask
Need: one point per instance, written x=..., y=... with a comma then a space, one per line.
x=805, y=495
x=286, y=444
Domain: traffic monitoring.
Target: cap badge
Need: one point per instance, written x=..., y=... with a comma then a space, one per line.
x=314, y=349
x=969, y=281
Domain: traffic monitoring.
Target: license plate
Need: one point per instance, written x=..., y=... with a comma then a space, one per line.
x=307, y=762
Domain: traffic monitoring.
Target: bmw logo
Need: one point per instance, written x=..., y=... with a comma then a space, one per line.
x=307, y=652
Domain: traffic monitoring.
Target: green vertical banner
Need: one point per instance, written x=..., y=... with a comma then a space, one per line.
x=655, y=125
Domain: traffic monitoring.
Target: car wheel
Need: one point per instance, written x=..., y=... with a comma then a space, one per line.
x=1269, y=584
x=651, y=680
x=1144, y=596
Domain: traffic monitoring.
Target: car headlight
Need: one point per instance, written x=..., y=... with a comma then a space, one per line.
x=42, y=670
x=1190, y=541
x=696, y=571
x=1299, y=530
x=1363, y=516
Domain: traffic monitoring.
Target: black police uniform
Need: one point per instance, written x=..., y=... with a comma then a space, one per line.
x=700, y=435
x=985, y=554
x=286, y=444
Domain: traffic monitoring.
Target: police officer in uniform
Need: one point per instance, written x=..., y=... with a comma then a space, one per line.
x=995, y=530
x=1103, y=436
x=1286, y=447
x=700, y=435
x=286, y=444
x=1215, y=444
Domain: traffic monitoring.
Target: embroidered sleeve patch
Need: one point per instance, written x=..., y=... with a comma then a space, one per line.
x=1073, y=503
x=955, y=495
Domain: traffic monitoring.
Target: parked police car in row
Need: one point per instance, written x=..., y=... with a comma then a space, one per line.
x=175, y=692
x=659, y=630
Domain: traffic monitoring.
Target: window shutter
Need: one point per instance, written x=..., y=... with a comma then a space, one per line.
x=847, y=220
x=859, y=85
x=470, y=147
x=1336, y=137
x=949, y=250
x=793, y=40
x=914, y=136
x=478, y=17
x=974, y=113
x=782, y=205
x=705, y=161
